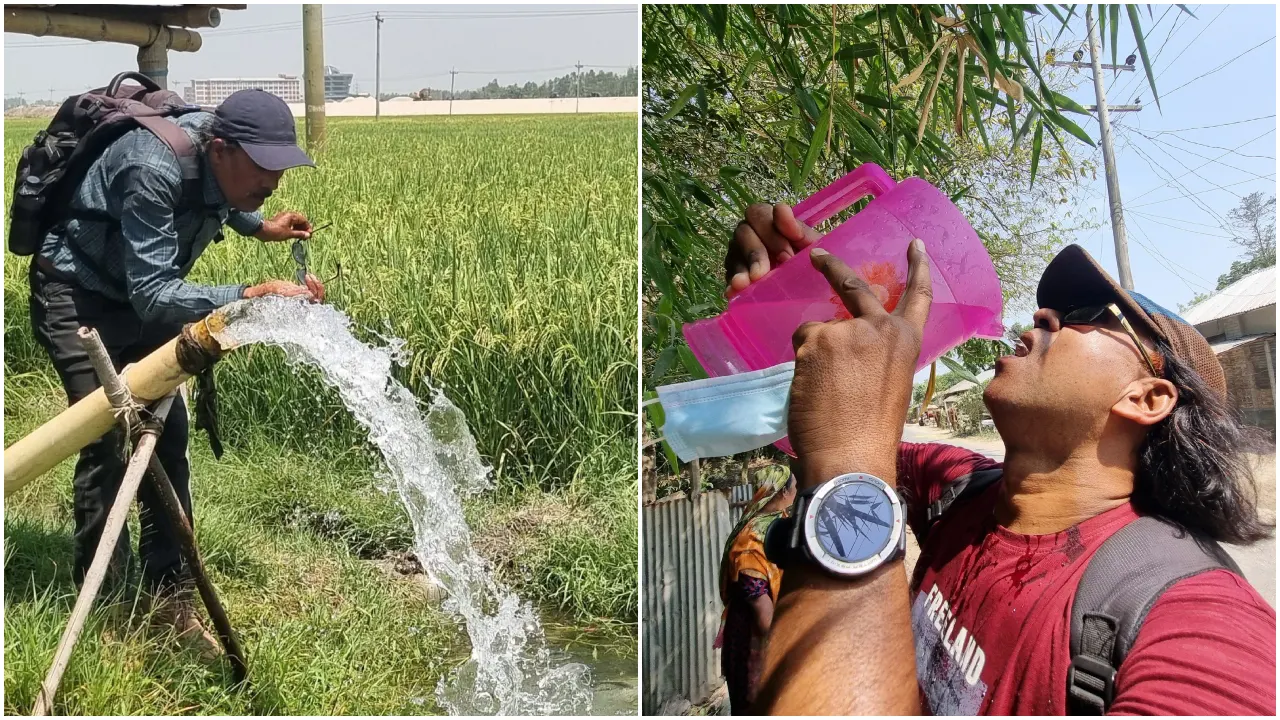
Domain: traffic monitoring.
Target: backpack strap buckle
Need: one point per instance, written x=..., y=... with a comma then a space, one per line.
x=1091, y=685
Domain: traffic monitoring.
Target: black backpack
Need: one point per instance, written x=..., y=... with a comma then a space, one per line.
x=54, y=164
x=1122, y=582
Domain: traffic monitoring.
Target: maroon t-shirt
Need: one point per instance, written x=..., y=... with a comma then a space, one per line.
x=991, y=614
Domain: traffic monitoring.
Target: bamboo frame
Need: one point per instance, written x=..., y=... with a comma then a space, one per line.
x=33, y=21
x=149, y=380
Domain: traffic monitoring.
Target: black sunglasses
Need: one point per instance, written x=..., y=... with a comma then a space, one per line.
x=1096, y=314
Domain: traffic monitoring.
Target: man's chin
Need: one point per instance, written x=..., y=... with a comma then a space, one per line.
x=248, y=206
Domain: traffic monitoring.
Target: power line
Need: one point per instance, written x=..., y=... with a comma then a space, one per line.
x=1220, y=67
x=1161, y=202
x=1151, y=218
x=1186, y=192
x=1183, y=52
x=1268, y=132
x=1206, y=157
x=1207, y=127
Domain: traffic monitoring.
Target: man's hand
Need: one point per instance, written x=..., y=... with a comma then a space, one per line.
x=769, y=236
x=316, y=287
x=852, y=380
x=287, y=225
x=284, y=288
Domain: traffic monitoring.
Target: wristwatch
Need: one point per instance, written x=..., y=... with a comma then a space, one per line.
x=848, y=526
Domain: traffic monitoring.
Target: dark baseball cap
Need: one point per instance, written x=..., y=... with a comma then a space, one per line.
x=1074, y=279
x=262, y=124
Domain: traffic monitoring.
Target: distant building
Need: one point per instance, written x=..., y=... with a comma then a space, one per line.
x=214, y=90
x=337, y=84
x=1239, y=322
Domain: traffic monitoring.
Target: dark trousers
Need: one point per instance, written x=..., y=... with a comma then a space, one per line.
x=58, y=310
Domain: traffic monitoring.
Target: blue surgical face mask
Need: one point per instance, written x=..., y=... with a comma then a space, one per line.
x=727, y=415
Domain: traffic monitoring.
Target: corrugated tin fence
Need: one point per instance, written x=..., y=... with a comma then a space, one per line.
x=739, y=497
x=683, y=540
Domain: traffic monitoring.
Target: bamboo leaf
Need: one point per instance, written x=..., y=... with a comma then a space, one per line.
x=1066, y=20
x=914, y=75
x=1035, y=150
x=815, y=146
x=1101, y=19
x=719, y=18
x=1136, y=22
x=748, y=69
x=858, y=50
x=1067, y=103
x=959, y=369
x=1184, y=9
x=691, y=364
x=928, y=101
x=873, y=100
x=1115, y=33
x=1032, y=117
x=681, y=101
x=1074, y=129
x=976, y=111
x=929, y=389
x=665, y=360
x=1020, y=42
x=960, y=68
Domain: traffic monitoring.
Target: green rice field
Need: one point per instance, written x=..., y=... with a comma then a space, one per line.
x=503, y=251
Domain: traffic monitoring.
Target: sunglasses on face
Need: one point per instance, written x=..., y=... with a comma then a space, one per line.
x=1097, y=315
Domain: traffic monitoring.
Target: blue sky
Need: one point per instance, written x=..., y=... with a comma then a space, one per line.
x=420, y=43
x=1174, y=217
x=1176, y=245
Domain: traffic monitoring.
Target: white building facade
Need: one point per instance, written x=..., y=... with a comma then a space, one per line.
x=213, y=91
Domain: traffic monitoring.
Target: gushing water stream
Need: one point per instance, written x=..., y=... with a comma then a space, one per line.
x=431, y=461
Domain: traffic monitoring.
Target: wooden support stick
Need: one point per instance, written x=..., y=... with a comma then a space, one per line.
x=142, y=454
x=112, y=384
x=187, y=544
x=118, y=393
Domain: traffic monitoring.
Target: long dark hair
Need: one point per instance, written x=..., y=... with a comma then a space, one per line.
x=1192, y=469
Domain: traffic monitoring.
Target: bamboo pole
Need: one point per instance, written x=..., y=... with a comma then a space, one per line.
x=153, y=60
x=143, y=453
x=190, y=16
x=33, y=21
x=149, y=380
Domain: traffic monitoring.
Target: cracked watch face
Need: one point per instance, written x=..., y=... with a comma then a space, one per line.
x=854, y=524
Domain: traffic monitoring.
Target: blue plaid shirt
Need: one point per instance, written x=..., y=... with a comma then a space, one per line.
x=144, y=254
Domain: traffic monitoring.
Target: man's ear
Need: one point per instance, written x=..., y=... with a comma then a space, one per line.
x=1147, y=401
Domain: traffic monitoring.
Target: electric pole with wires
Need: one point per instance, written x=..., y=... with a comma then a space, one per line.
x=453, y=75
x=577, y=94
x=1108, y=152
x=377, y=69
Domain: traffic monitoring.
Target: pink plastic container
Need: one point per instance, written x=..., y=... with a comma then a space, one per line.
x=754, y=331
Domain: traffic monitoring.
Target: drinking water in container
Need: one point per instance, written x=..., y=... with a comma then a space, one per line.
x=754, y=331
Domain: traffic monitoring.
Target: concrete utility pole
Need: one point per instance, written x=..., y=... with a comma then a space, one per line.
x=453, y=74
x=1109, y=157
x=377, y=71
x=1108, y=153
x=577, y=94
x=313, y=73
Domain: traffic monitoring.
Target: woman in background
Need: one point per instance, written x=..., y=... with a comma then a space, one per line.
x=749, y=587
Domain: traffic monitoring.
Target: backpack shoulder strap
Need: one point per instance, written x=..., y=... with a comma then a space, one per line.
x=188, y=156
x=962, y=488
x=1121, y=584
